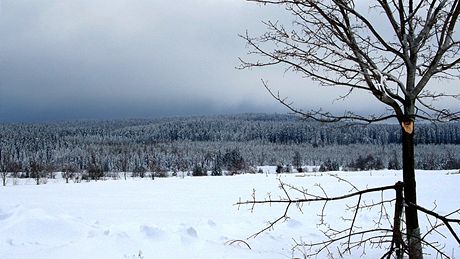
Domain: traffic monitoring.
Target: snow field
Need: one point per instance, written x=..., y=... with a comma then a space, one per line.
x=194, y=217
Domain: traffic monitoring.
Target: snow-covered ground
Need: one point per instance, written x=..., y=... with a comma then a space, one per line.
x=194, y=217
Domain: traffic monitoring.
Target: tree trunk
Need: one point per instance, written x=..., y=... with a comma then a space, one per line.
x=397, y=235
x=410, y=194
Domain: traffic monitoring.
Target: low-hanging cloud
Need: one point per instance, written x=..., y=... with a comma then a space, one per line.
x=65, y=59
x=71, y=59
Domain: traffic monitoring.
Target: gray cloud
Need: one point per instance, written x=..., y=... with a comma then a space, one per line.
x=70, y=59
x=63, y=59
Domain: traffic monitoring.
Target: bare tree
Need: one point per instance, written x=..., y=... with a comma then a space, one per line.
x=14, y=167
x=154, y=167
x=386, y=233
x=5, y=160
x=339, y=44
x=124, y=163
x=69, y=171
x=297, y=161
x=36, y=171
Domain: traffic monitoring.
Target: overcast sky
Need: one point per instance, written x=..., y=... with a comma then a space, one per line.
x=86, y=59
x=105, y=59
x=66, y=59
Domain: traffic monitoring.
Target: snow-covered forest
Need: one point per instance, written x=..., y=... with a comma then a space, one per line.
x=216, y=143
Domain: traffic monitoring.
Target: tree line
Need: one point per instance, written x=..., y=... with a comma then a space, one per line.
x=213, y=143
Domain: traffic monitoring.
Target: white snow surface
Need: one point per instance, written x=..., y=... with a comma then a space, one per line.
x=194, y=217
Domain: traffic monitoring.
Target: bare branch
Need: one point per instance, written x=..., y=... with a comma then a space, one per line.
x=321, y=116
x=336, y=44
x=445, y=219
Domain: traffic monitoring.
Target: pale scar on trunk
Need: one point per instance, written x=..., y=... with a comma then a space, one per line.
x=408, y=126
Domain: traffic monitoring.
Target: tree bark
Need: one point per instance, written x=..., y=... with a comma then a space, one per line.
x=397, y=235
x=410, y=194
